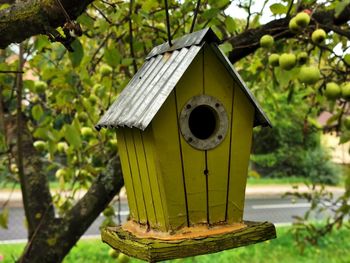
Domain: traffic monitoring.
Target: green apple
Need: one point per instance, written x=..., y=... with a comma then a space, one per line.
x=345, y=91
x=87, y=132
x=62, y=147
x=40, y=145
x=82, y=116
x=266, y=41
x=113, y=143
x=332, y=90
x=122, y=258
x=273, y=60
x=99, y=90
x=318, y=36
x=287, y=61
x=309, y=74
x=302, y=19
x=60, y=173
x=40, y=86
x=105, y=70
x=113, y=253
x=13, y=168
x=93, y=99
x=109, y=211
x=302, y=58
x=293, y=26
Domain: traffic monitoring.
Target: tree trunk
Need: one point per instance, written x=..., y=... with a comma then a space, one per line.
x=56, y=236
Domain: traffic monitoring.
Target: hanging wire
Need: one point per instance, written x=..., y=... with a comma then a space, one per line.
x=195, y=15
x=167, y=21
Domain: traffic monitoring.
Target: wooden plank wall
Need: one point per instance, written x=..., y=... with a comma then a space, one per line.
x=165, y=177
x=219, y=84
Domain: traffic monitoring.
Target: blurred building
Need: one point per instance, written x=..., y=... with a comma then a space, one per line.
x=331, y=140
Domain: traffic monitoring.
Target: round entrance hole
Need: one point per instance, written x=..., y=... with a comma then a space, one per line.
x=203, y=122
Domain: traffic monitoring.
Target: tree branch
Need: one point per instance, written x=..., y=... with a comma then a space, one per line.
x=28, y=18
x=247, y=42
x=67, y=231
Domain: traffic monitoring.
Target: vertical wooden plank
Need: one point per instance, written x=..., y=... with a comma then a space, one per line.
x=135, y=173
x=155, y=178
x=128, y=182
x=167, y=147
x=191, y=84
x=144, y=177
x=219, y=84
x=243, y=117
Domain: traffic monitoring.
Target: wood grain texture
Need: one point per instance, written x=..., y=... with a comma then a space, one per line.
x=191, y=84
x=124, y=159
x=219, y=84
x=168, y=157
x=243, y=117
x=156, y=182
x=153, y=250
x=144, y=178
x=136, y=176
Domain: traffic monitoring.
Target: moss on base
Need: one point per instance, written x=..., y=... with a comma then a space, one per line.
x=154, y=250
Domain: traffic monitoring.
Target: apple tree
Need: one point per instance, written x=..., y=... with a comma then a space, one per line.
x=76, y=56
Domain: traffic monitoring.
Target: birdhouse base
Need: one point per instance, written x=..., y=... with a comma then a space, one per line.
x=187, y=243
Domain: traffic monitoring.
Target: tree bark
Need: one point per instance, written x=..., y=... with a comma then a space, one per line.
x=33, y=17
x=56, y=236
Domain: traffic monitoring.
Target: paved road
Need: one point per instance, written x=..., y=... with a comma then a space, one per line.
x=276, y=210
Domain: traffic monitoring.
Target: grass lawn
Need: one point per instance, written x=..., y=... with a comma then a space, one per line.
x=335, y=248
x=275, y=181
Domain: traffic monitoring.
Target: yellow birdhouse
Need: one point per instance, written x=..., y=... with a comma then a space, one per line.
x=185, y=124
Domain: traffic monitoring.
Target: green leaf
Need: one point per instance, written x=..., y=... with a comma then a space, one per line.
x=219, y=3
x=210, y=13
x=230, y=24
x=41, y=42
x=347, y=59
x=147, y=5
x=340, y=7
x=77, y=55
x=4, y=6
x=37, y=112
x=226, y=47
x=278, y=9
x=85, y=20
x=345, y=137
x=113, y=57
x=4, y=217
x=72, y=135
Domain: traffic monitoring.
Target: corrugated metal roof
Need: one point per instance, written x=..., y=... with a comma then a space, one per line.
x=188, y=40
x=141, y=99
x=144, y=95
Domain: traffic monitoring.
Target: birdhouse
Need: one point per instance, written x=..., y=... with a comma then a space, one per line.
x=185, y=124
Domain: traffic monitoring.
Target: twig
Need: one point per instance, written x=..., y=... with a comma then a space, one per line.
x=131, y=38
x=167, y=22
x=9, y=196
x=11, y=71
x=102, y=14
x=290, y=8
x=63, y=11
x=195, y=15
x=249, y=15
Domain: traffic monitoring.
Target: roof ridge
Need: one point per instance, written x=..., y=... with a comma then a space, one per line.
x=195, y=38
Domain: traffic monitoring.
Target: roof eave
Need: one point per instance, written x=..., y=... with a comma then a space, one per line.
x=260, y=118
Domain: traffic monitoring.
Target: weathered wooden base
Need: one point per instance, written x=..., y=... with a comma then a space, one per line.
x=154, y=250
